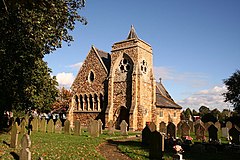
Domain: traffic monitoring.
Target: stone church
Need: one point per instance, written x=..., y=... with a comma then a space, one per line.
x=121, y=86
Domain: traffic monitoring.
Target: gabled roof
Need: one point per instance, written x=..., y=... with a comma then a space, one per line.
x=106, y=58
x=163, y=98
x=132, y=33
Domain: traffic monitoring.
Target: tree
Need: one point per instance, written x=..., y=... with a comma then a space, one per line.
x=203, y=110
x=233, y=90
x=29, y=30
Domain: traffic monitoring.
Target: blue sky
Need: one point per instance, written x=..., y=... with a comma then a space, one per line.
x=196, y=43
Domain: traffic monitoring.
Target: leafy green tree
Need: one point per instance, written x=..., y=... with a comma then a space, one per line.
x=203, y=110
x=233, y=93
x=29, y=30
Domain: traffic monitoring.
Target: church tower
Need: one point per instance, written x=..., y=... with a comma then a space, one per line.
x=131, y=85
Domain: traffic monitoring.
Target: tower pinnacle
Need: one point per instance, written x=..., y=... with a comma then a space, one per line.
x=132, y=33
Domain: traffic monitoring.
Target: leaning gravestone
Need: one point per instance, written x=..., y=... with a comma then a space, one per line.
x=25, y=153
x=14, y=135
x=100, y=126
x=77, y=128
x=94, y=128
x=23, y=126
x=163, y=127
x=123, y=128
x=110, y=127
x=234, y=132
x=146, y=136
x=191, y=124
x=199, y=131
x=58, y=126
x=185, y=129
x=67, y=129
x=156, y=147
x=171, y=130
x=225, y=132
x=213, y=133
x=229, y=125
x=152, y=126
x=50, y=126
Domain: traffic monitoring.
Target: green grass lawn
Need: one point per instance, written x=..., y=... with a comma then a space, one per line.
x=57, y=146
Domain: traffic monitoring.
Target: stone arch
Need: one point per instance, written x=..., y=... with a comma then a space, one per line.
x=121, y=113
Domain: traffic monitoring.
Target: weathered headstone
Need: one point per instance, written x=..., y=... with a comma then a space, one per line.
x=199, y=131
x=50, y=126
x=110, y=127
x=67, y=129
x=179, y=128
x=171, y=130
x=156, y=147
x=163, y=127
x=234, y=132
x=94, y=128
x=34, y=123
x=43, y=125
x=100, y=126
x=229, y=125
x=77, y=128
x=146, y=136
x=225, y=132
x=58, y=126
x=185, y=129
x=213, y=133
x=25, y=153
x=208, y=124
x=14, y=135
x=123, y=128
x=23, y=126
x=152, y=126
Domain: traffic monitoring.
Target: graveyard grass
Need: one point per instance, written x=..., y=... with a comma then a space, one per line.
x=56, y=146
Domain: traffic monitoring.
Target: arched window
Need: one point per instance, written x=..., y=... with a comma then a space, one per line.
x=125, y=65
x=81, y=101
x=95, y=102
x=101, y=101
x=76, y=102
x=86, y=101
x=91, y=76
x=91, y=102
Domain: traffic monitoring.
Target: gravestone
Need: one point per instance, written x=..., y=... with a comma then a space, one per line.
x=50, y=126
x=14, y=135
x=25, y=153
x=177, y=156
x=225, y=132
x=94, y=128
x=34, y=123
x=179, y=129
x=100, y=126
x=123, y=128
x=156, y=146
x=199, y=131
x=58, y=126
x=89, y=125
x=208, y=124
x=213, y=133
x=77, y=128
x=110, y=127
x=218, y=125
x=185, y=129
x=171, y=130
x=67, y=129
x=43, y=125
x=152, y=126
x=23, y=126
x=191, y=124
x=234, y=132
x=229, y=125
x=146, y=136
x=163, y=127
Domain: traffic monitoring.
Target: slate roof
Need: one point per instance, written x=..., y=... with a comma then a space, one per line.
x=106, y=58
x=163, y=98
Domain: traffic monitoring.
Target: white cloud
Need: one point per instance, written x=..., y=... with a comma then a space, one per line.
x=76, y=65
x=65, y=79
x=194, y=80
x=211, y=98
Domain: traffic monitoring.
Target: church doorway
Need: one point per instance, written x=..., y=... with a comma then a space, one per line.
x=123, y=114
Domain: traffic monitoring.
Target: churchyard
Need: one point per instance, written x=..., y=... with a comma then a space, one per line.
x=57, y=140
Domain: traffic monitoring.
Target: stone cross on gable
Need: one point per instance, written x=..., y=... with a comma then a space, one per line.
x=25, y=153
x=123, y=128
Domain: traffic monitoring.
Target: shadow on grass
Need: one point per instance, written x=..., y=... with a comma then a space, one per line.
x=15, y=155
x=4, y=142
